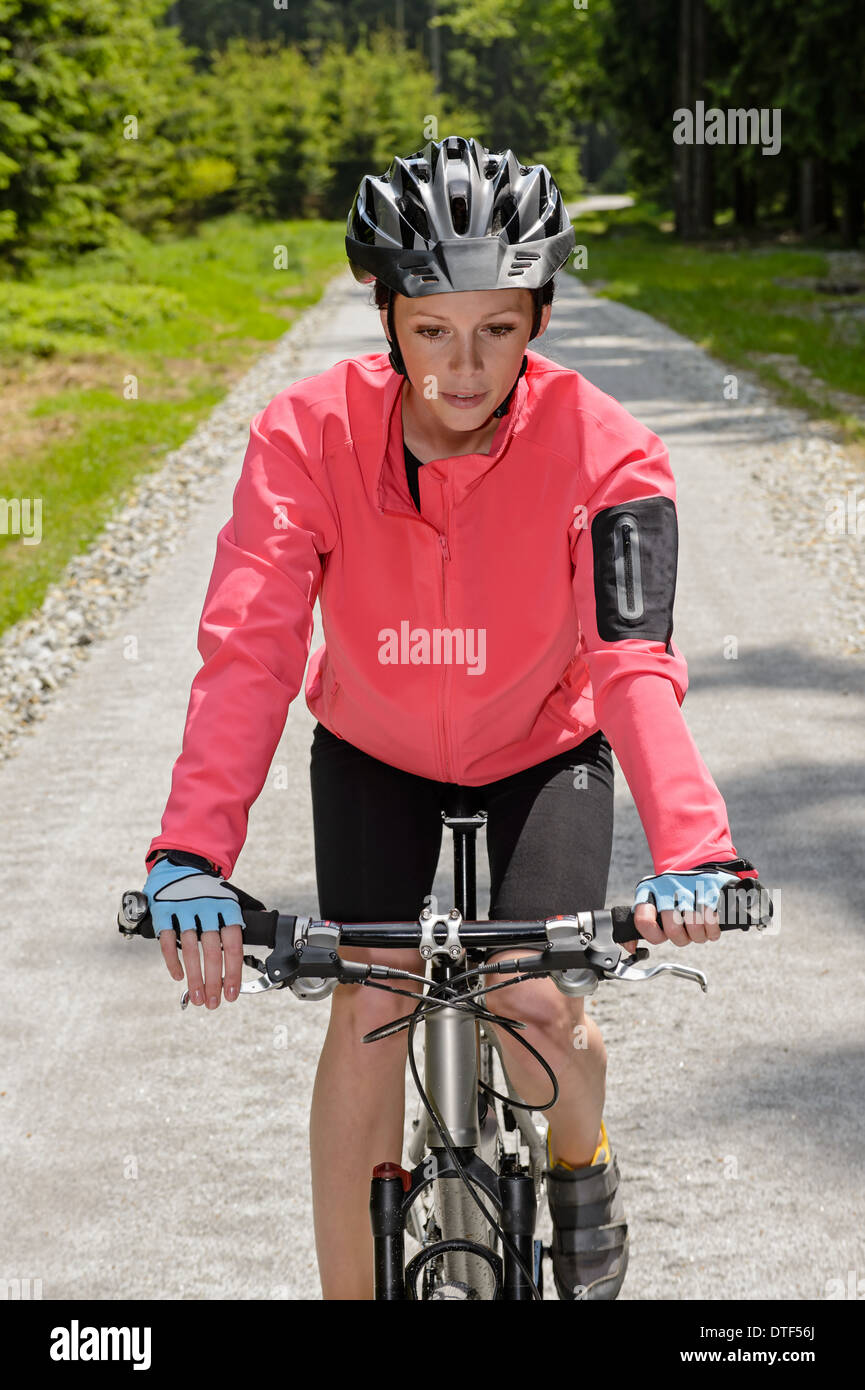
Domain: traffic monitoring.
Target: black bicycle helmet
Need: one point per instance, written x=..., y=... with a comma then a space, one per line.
x=452, y=216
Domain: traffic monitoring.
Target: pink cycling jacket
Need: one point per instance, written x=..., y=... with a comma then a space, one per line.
x=465, y=643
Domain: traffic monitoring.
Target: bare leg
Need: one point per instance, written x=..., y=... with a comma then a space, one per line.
x=356, y=1120
x=572, y=1045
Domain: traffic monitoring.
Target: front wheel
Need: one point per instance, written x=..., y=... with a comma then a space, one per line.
x=459, y=1218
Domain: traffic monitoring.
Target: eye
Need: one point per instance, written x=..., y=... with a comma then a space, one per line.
x=498, y=330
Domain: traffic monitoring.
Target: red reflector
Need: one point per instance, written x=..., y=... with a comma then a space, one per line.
x=393, y=1170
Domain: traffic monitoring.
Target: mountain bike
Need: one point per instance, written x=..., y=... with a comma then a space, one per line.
x=471, y=1197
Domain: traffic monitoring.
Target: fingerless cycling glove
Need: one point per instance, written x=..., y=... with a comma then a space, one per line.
x=186, y=894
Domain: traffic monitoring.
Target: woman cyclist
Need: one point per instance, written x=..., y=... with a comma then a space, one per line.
x=493, y=542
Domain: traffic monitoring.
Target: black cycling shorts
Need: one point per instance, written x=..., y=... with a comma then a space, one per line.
x=378, y=832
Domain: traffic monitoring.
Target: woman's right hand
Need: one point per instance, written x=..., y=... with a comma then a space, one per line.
x=185, y=891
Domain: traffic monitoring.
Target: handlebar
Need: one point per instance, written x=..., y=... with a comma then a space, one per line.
x=576, y=950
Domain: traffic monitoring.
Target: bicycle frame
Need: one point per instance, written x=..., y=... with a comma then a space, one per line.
x=452, y=1047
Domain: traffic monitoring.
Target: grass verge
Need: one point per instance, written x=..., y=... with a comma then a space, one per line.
x=109, y=363
x=786, y=314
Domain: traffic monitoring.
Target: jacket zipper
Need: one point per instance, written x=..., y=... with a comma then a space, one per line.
x=445, y=556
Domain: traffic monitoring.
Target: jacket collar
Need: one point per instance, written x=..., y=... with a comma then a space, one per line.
x=464, y=470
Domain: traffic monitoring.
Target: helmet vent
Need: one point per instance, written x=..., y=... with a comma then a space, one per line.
x=425, y=273
x=415, y=214
x=459, y=213
x=522, y=261
x=504, y=211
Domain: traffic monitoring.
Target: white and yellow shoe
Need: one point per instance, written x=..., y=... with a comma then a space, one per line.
x=589, y=1248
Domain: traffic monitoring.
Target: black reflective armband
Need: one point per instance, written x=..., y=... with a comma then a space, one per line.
x=635, y=546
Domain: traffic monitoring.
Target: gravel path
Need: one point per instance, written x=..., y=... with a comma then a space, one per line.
x=150, y=1153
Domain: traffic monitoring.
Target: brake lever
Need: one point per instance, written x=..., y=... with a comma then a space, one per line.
x=263, y=982
x=605, y=957
x=614, y=963
x=627, y=970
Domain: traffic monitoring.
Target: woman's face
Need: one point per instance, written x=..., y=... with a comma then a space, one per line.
x=464, y=342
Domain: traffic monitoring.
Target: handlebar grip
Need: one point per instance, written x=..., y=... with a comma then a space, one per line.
x=740, y=906
x=624, y=928
x=259, y=923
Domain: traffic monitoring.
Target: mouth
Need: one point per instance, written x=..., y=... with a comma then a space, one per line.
x=464, y=401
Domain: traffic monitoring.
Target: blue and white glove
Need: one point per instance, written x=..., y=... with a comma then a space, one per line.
x=182, y=894
x=692, y=890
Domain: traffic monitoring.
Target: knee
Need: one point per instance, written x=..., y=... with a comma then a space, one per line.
x=545, y=1011
x=557, y=1020
x=361, y=1008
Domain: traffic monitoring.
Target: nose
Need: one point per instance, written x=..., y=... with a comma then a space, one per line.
x=466, y=356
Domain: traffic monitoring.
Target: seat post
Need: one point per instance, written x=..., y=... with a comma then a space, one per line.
x=457, y=815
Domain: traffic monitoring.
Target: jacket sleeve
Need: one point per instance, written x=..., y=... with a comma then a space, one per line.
x=254, y=637
x=624, y=585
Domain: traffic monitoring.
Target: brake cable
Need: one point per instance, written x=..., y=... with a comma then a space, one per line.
x=461, y=1172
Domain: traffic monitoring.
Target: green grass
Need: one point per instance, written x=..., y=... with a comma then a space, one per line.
x=727, y=299
x=184, y=318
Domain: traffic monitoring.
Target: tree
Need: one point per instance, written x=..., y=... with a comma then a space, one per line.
x=87, y=88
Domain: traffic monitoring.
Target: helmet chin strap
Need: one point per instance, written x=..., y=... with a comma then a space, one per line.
x=395, y=356
x=503, y=408
x=396, y=359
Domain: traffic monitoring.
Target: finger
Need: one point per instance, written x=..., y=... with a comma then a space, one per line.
x=674, y=927
x=695, y=928
x=212, y=968
x=168, y=947
x=646, y=922
x=194, y=982
x=232, y=951
x=702, y=925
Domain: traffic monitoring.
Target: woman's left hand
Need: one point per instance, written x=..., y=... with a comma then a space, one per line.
x=687, y=899
x=679, y=927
